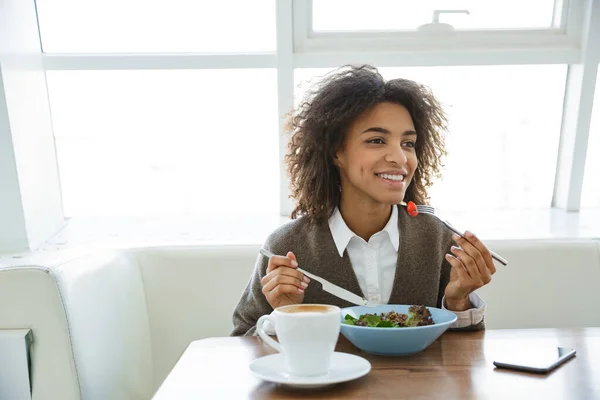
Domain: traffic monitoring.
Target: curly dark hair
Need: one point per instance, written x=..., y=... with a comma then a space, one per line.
x=319, y=124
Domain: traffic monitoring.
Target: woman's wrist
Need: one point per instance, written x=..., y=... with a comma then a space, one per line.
x=461, y=304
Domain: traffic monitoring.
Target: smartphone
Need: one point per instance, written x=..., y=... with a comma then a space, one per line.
x=539, y=360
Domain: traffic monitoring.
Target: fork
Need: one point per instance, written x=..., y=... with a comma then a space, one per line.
x=424, y=209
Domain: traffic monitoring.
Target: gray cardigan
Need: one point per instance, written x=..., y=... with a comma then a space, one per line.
x=422, y=272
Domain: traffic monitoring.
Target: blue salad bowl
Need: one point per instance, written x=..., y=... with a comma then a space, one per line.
x=394, y=341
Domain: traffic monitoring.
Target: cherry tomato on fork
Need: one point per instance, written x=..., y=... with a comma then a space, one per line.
x=411, y=209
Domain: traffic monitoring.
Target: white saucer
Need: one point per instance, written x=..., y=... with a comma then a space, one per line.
x=344, y=367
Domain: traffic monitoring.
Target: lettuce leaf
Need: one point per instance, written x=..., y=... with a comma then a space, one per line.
x=371, y=319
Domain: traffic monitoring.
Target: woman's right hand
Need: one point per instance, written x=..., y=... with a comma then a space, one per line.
x=283, y=284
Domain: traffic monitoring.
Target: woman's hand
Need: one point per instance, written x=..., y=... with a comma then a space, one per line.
x=283, y=284
x=472, y=268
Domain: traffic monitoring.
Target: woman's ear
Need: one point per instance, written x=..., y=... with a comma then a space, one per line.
x=337, y=159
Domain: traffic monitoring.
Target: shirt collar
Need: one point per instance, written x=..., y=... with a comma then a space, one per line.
x=342, y=234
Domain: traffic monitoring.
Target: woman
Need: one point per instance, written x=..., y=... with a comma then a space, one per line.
x=361, y=146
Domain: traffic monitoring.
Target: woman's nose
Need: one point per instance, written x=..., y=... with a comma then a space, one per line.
x=396, y=155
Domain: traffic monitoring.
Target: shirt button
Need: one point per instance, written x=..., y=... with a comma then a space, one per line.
x=375, y=298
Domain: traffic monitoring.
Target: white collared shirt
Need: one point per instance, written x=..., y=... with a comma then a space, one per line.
x=374, y=263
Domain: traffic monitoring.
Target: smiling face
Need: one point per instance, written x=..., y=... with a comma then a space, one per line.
x=378, y=159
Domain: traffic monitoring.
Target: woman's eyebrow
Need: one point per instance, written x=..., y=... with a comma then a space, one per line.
x=386, y=131
x=378, y=130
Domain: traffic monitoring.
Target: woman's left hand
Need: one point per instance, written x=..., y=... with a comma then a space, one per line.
x=472, y=268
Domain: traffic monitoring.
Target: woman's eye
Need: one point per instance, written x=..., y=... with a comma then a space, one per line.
x=409, y=143
x=376, y=141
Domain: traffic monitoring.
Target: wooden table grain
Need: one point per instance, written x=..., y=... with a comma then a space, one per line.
x=457, y=366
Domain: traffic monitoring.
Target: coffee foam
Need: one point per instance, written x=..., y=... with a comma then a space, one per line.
x=307, y=308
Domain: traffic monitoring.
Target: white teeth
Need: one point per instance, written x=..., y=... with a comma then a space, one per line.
x=398, y=178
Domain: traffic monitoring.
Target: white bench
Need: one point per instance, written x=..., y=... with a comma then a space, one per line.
x=112, y=324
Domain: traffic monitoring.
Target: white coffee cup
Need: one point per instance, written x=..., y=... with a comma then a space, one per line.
x=307, y=335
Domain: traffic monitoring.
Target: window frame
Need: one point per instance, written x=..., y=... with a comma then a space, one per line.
x=521, y=46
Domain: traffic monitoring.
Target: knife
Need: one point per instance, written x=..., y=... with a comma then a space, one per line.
x=330, y=287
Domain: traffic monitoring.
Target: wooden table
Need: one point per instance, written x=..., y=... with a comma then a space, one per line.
x=457, y=366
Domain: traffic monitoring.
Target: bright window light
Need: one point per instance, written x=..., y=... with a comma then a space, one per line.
x=590, y=197
x=386, y=15
x=122, y=26
x=166, y=143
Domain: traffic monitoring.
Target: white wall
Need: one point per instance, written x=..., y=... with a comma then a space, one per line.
x=30, y=202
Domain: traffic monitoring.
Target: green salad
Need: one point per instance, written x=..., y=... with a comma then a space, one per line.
x=417, y=316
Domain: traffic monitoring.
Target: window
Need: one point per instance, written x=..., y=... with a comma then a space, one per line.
x=394, y=15
x=590, y=196
x=166, y=143
x=172, y=108
x=121, y=26
x=438, y=32
x=504, y=132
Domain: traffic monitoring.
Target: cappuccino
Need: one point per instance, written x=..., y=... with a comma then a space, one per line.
x=307, y=336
